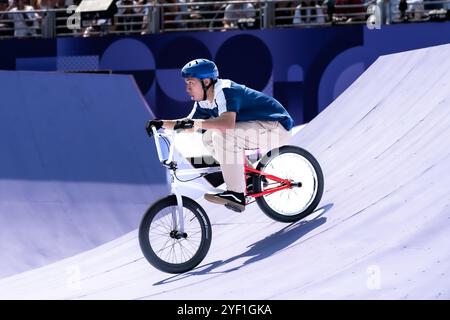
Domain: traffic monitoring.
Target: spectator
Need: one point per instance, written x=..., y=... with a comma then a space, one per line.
x=330, y=9
x=201, y=12
x=48, y=17
x=125, y=17
x=284, y=11
x=235, y=13
x=346, y=14
x=145, y=12
x=172, y=20
x=183, y=10
x=308, y=12
x=217, y=18
x=407, y=10
x=402, y=6
x=36, y=4
x=45, y=5
x=5, y=26
x=26, y=22
x=416, y=8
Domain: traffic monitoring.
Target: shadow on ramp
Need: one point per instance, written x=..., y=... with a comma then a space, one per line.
x=264, y=248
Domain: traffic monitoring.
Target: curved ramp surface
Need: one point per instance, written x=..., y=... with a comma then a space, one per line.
x=76, y=167
x=382, y=229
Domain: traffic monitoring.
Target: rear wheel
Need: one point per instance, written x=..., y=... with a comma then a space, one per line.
x=164, y=246
x=299, y=167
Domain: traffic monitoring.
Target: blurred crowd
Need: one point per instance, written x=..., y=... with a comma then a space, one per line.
x=21, y=18
x=29, y=18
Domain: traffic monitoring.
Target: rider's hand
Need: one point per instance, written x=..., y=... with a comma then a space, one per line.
x=184, y=124
x=153, y=123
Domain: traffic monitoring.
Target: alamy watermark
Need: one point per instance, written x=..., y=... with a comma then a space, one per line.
x=374, y=20
x=227, y=146
x=73, y=21
x=73, y=280
x=374, y=280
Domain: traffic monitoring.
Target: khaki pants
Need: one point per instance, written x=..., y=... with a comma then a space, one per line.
x=228, y=147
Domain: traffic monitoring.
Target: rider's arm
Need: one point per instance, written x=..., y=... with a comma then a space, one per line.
x=226, y=120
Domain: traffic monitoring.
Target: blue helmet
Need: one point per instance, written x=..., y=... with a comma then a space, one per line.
x=200, y=69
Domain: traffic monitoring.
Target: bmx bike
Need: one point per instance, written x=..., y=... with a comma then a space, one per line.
x=175, y=232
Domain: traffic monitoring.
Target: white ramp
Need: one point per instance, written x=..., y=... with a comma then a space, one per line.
x=76, y=166
x=382, y=230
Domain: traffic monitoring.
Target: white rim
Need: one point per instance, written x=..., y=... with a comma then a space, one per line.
x=296, y=168
x=169, y=249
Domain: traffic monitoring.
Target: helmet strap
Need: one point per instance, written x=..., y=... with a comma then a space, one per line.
x=206, y=87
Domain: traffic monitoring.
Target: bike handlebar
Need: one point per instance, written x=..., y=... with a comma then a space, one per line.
x=179, y=125
x=156, y=136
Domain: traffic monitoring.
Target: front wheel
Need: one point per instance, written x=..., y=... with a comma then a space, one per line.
x=164, y=245
x=302, y=170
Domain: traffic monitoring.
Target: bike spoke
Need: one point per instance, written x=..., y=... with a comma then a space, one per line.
x=182, y=246
x=170, y=249
x=295, y=200
x=164, y=246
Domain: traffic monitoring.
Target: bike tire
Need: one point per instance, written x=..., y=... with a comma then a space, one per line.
x=149, y=220
x=258, y=184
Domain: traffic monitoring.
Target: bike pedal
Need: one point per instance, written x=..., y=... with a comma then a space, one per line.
x=233, y=208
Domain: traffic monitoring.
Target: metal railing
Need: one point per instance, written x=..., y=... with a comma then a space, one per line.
x=212, y=16
x=215, y=16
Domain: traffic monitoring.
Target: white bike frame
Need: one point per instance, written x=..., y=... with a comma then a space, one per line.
x=175, y=174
